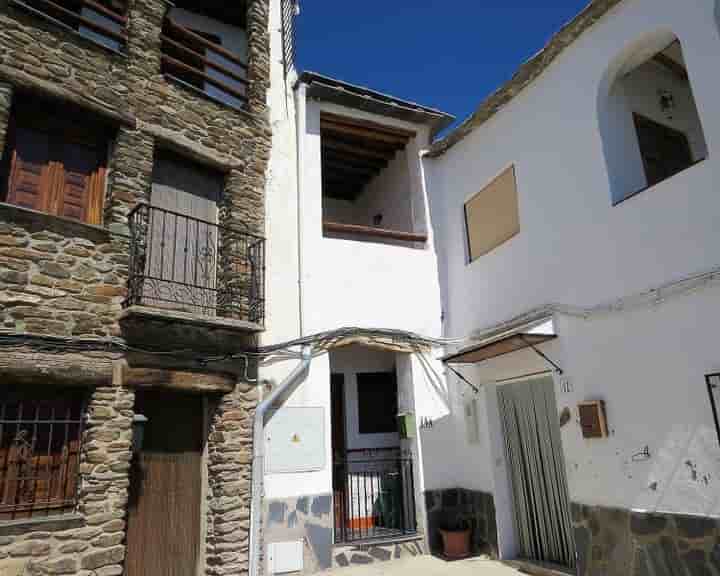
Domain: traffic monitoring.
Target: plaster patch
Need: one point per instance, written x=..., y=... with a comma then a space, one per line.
x=321, y=506
x=276, y=512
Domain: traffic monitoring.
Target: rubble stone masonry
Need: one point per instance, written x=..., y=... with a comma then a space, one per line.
x=69, y=279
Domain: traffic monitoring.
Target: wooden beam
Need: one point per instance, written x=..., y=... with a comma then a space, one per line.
x=398, y=141
x=357, y=150
x=171, y=379
x=671, y=65
x=367, y=125
x=354, y=160
x=345, y=167
x=372, y=232
x=27, y=364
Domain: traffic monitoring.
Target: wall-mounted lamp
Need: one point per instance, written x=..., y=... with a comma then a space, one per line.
x=138, y=432
x=667, y=103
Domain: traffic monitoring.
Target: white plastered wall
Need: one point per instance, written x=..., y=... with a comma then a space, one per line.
x=575, y=248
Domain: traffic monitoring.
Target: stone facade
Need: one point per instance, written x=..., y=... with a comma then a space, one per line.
x=60, y=278
x=92, y=541
x=623, y=542
x=345, y=556
x=307, y=518
x=444, y=507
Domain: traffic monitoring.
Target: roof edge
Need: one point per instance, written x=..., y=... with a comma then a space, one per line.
x=526, y=74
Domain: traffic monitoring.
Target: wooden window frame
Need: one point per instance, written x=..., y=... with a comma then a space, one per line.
x=60, y=131
x=41, y=433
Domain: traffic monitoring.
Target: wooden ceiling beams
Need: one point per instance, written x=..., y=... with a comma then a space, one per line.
x=354, y=151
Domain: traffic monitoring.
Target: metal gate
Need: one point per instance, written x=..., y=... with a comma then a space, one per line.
x=537, y=471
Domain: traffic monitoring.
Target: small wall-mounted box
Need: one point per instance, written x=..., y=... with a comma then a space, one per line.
x=285, y=557
x=406, y=425
x=592, y=419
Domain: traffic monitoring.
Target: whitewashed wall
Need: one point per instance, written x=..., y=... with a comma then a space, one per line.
x=576, y=248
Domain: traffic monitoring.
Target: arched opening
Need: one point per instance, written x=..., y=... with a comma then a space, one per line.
x=650, y=124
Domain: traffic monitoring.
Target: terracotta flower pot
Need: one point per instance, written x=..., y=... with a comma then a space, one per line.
x=456, y=544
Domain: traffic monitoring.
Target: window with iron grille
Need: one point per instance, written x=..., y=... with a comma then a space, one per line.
x=40, y=442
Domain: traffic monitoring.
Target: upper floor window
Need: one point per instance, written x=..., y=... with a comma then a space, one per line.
x=491, y=216
x=650, y=123
x=367, y=191
x=206, y=48
x=40, y=446
x=55, y=161
x=102, y=21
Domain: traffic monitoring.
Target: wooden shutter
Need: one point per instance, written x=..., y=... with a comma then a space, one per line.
x=492, y=216
x=29, y=182
x=79, y=188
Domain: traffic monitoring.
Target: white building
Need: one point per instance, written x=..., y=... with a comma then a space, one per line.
x=581, y=201
x=564, y=231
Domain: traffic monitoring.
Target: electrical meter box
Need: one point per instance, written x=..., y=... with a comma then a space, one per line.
x=295, y=440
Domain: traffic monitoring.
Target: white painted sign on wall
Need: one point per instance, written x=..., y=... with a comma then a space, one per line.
x=295, y=440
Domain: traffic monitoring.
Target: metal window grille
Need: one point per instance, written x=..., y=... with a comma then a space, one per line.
x=40, y=445
x=713, y=383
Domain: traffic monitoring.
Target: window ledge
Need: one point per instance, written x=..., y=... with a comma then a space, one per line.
x=633, y=194
x=372, y=232
x=20, y=5
x=46, y=524
x=40, y=221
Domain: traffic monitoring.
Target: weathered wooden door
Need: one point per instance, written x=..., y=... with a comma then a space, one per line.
x=164, y=519
x=182, y=256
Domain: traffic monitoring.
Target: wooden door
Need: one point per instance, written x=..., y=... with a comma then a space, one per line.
x=164, y=518
x=183, y=253
x=339, y=451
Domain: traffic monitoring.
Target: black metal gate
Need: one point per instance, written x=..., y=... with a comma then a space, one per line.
x=375, y=499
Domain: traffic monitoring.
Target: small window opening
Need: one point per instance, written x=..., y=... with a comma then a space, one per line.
x=55, y=160
x=40, y=447
x=654, y=130
x=205, y=48
x=366, y=186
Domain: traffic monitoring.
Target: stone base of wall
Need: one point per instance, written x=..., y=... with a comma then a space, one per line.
x=307, y=518
x=348, y=555
x=477, y=508
x=616, y=542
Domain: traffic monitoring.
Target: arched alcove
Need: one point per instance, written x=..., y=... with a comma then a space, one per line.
x=648, y=119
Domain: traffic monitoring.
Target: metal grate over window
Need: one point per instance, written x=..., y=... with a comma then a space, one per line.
x=40, y=444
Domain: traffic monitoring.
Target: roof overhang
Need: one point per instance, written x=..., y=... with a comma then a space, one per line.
x=342, y=93
x=482, y=352
x=529, y=331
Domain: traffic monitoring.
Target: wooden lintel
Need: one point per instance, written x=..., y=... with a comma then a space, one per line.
x=367, y=134
x=341, y=167
x=357, y=150
x=367, y=125
x=184, y=381
x=354, y=160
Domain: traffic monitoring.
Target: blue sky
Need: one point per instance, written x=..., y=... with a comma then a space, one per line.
x=449, y=54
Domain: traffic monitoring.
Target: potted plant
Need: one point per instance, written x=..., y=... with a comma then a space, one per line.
x=455, y=532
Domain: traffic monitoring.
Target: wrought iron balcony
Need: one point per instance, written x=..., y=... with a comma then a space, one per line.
x=184, y=264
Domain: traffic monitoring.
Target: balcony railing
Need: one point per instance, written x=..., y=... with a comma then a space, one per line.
x=203, y=64
x=374, y=499
x=188, y=265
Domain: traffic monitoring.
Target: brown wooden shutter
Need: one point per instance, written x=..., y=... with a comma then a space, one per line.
x=29, y=182
x=79, y=187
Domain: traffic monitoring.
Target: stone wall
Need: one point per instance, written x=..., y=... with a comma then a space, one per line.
x=616, y=542
x=63, y=284
x=63, y=278
x=476, y=508
x=90, y=542
x=307, y=518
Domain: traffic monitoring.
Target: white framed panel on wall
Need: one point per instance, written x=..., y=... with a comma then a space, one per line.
x=295, y=440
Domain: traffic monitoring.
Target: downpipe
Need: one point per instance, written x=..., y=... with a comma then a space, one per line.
x=276, y=398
